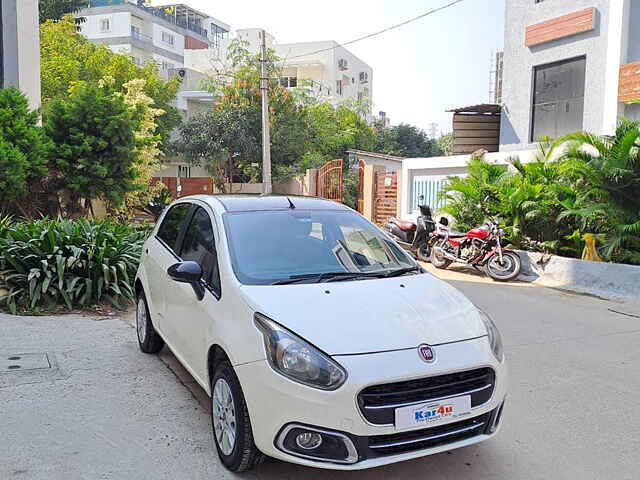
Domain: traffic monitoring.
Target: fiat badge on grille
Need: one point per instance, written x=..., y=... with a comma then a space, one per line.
x=426, y=353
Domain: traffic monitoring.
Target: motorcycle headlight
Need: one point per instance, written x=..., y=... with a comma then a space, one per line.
x=495, y=339
x=291, y=356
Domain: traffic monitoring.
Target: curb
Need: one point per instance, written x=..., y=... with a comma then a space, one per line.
x=612, y=281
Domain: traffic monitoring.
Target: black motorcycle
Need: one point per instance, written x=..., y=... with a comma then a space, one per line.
x=414, y=237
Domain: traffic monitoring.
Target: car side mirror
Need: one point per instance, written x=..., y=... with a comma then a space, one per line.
x=188, y=272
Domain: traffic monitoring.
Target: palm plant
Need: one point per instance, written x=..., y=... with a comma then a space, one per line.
x=479, y=187
x=607, y=171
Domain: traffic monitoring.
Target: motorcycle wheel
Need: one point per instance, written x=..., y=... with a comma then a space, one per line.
x=424, y=253
x=438, y=261
x=506, y=270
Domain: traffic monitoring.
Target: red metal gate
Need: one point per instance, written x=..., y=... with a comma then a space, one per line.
x=360, y=202
x=386, y=197
x=330, y=183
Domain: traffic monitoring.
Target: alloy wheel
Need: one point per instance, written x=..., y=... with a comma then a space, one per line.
x=224, y=416
x=141, y=320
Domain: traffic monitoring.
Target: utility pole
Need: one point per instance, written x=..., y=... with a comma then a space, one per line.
x=266, y=136
x=433, y=129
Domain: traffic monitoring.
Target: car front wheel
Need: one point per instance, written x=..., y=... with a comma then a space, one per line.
x=230, y=421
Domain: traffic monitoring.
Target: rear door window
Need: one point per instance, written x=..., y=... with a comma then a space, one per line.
x=172, y=224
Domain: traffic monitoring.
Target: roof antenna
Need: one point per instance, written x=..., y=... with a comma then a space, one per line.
x=291, y=205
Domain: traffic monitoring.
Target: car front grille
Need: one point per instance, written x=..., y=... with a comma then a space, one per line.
x=378, y=402
x=381, y=445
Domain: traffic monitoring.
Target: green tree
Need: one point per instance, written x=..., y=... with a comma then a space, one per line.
x=445, y=144
x=406, y=140
x=94, y=145
x=56, y=9
x=23, y=147
x=228, y=140
x=218, y=140
x=68, y=59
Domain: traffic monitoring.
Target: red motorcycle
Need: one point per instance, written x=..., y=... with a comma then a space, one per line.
x=479, y=247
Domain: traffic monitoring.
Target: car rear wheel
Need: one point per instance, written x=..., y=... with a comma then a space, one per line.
x=230, y=421
x=148, y=338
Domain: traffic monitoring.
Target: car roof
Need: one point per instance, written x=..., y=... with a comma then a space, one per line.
x=253, y=203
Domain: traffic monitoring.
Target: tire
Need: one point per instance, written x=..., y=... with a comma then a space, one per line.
x=148, y=339
x=241, y=453
x=424, y=253
x=437, y=260
x=508, y=271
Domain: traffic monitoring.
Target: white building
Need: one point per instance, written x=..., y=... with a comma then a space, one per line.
x=568, y=65
x=20, y=48
x=163, y=35
x=332, y=72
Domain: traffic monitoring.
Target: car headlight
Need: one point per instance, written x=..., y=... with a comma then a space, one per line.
x=495, y=339
x=298, y=360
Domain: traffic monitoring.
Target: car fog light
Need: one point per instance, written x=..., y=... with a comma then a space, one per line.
x=309, y=440
x=317, y=444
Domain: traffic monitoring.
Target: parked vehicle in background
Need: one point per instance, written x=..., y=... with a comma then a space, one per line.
x=414, y=237
x=479, y=247
x=320, y=341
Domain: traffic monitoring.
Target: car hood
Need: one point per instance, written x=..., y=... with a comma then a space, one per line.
x=372, y=315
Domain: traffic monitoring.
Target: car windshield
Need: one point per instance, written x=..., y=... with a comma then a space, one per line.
x=274, y=246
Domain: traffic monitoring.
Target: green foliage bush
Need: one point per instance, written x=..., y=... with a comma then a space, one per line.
x=94, y=144
x=46, y=264
x=23, y=147
x=580, y=184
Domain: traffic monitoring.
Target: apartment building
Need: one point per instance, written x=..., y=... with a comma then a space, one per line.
x=331, y=72
x=20, y=48
x=161, y=34
x=568, y=65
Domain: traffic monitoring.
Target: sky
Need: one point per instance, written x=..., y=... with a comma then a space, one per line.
x=420, y=70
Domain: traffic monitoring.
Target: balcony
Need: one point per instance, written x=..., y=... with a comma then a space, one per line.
x=138, y=37
x=165, y=13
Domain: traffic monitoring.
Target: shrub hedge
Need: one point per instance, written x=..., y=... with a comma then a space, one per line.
x=52, y=263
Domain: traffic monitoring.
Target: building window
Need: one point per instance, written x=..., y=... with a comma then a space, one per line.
x=339, y=87
x=167, y=65
x=105, y=25
x=342, y=65
x=137, y=61
x=217, y=34
x=289, y=82
x=558, y=98
x=168, y=38
x=363, y=77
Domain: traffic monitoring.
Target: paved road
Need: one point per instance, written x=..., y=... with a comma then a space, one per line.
x=106, y=411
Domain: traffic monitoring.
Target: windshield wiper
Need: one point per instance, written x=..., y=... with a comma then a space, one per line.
x=338, y=276
x=318, y=277
x=402, y=271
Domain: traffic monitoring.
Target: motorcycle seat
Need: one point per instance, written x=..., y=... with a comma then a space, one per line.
x=403, y=224
x=454, y=234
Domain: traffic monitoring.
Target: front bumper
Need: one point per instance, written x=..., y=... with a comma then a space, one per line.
x=275, y=402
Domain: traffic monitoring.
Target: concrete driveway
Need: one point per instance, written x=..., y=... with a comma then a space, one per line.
x=96, y=408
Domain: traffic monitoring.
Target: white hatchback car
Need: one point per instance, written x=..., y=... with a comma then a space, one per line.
x=319, y=340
